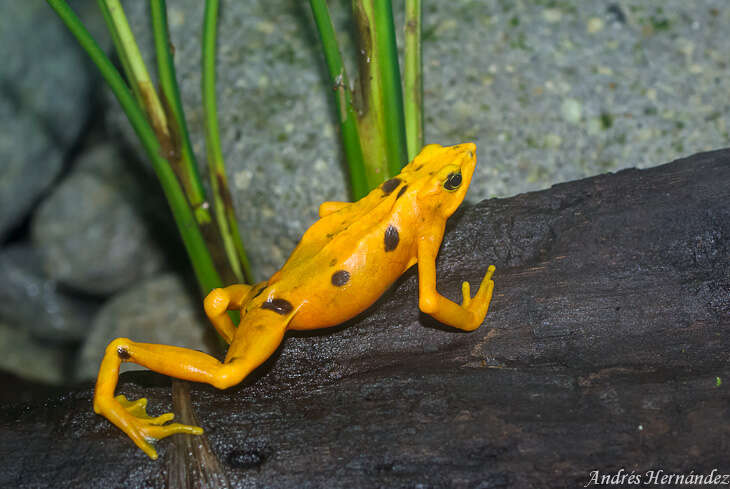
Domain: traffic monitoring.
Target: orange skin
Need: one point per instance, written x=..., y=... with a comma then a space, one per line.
x=342, y=265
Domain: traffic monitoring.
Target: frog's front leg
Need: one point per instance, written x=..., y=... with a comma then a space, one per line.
x=467, y=316
x=252, y=345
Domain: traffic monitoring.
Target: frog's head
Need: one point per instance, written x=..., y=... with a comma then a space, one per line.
x=444, y=174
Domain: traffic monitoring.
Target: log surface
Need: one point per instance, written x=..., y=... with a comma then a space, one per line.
x=605, y=348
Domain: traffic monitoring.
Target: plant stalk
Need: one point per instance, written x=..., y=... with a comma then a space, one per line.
x=137, y=72
x=413, y=79
x=222, y=199
x=381, y=121
x=180, y=153
x=352, y=139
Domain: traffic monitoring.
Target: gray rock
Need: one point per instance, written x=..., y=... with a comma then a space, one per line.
x=45, y=99
x=50, y=77
x=92, y=231
x=159, y=310
x=548, y=94
x=30, y=161
x=25, y=356
x=36, y=304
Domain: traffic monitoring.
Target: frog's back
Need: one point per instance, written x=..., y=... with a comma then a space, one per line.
x=337, y=235
x=345, y=261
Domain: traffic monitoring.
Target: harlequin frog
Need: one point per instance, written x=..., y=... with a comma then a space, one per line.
x=342, y=264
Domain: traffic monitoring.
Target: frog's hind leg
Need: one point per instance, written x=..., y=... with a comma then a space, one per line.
x=254, y=342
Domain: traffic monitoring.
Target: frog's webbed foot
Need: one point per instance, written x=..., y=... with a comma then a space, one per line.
x=132, y=418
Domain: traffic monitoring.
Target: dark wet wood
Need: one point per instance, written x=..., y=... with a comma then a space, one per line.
x=606, y=348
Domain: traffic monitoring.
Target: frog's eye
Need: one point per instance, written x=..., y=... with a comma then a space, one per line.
x=452, y=181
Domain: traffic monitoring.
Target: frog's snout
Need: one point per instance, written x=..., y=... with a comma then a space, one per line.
x=470, y=149
x=469, y=159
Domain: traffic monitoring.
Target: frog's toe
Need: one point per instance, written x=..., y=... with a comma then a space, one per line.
x=142, y=443
x=158, y=432
x=486, y=288
x=145, y=431
x=162, y=419
x=465, y=294
x=487, y=280
x=136, y=408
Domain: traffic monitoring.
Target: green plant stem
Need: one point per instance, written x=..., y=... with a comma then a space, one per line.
x=137, y=72
x=381, y=122
x=351, y=138
x=203, y=267
x=120, y=50
x=395, y=129
x=413, y=79
x=180, y=154
x=222, y=199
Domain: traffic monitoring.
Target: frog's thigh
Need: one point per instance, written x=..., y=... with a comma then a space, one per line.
x=257, y=338
x=219, y=302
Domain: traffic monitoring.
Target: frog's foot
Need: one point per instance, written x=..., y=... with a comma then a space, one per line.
x=479, y=304
x=132, y=418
